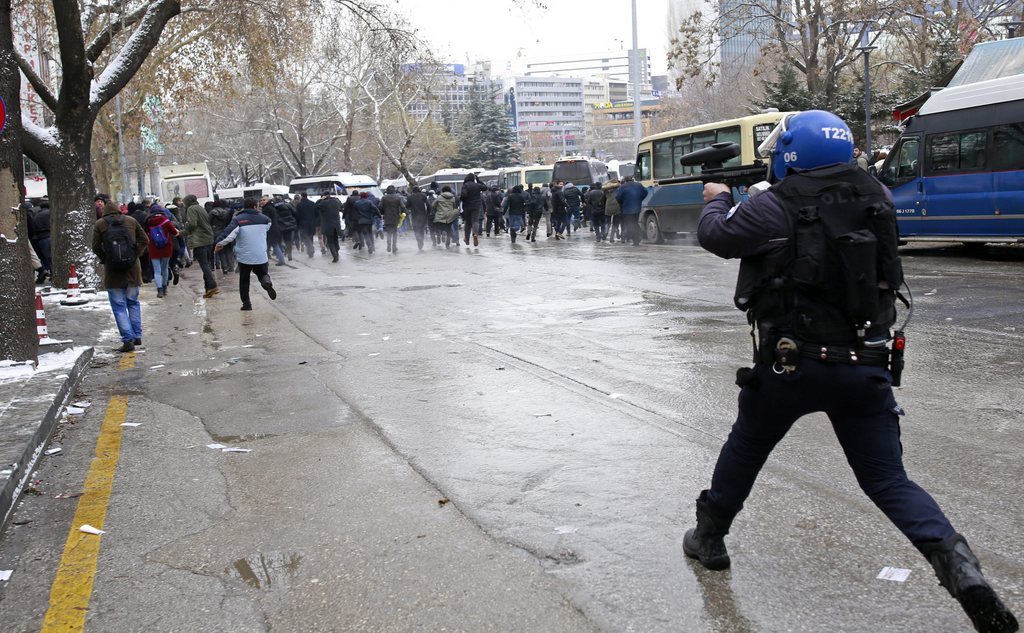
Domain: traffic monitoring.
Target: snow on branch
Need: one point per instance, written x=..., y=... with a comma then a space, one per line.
x=105, y=36
x=130, y=58
x=37, y=82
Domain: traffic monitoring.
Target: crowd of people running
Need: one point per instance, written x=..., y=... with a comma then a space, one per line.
x=437, y=216
x=182, y=231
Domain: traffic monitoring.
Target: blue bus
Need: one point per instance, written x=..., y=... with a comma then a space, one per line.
x=957, y=171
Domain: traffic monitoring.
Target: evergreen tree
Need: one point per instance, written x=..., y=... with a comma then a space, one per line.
x=484, y=136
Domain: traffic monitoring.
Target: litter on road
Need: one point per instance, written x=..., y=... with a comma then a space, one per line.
x=565, y=529
x=895, y=574
x=131, y=424
x=52, y=451
x=85, y=404
x=216, y=447
x=542, y=415
x=5, y=574
x=234, y=449
x=74, y=411
x=88, y=529
x=156, y=366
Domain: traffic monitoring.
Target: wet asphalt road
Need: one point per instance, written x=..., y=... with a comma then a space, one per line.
x=570, y=400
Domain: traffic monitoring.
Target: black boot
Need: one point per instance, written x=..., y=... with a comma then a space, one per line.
x=706, y=542
x=959, y=572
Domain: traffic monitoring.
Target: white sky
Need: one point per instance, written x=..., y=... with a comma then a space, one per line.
x=464, y=31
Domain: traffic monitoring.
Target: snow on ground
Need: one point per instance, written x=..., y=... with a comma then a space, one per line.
x=11, y=371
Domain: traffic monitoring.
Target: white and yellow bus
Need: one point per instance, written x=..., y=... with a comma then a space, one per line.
x=525, y=175
x=676, y=207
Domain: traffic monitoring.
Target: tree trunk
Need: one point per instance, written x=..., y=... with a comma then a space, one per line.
x=18, y=339
x=72, y=214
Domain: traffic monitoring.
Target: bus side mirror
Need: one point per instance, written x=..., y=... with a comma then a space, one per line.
x=873, y=170
x=888, y=177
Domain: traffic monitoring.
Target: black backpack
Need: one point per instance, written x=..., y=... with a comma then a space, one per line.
x=118, y=246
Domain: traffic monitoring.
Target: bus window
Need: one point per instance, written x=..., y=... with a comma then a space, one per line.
x=642, y=168
x=680, y=147
x=904, y=168
x=1008, y=147
x=963, y=151
x=663, y=167
x=731, y=135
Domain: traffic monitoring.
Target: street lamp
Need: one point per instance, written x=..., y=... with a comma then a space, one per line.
x=634, y=69
x=866, y=49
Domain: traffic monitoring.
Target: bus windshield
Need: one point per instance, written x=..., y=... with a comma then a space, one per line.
x=538, y=177
x=313, y=189
x=572, y=171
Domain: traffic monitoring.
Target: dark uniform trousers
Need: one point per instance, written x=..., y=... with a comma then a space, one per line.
x=858, y=400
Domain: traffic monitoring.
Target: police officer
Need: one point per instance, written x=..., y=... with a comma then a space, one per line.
x=818, y=278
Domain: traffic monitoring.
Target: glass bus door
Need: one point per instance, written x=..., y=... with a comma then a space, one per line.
x=902, y=174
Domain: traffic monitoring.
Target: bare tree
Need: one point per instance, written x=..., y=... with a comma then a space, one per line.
x=819, y=38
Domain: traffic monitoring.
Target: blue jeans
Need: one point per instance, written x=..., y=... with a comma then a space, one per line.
x=161, y=272
x=124, y=302
x=859, y=402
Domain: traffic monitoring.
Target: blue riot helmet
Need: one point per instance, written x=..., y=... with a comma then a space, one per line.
x=807, y=140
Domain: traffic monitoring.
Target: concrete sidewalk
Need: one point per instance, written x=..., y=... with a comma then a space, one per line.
x=33, y=402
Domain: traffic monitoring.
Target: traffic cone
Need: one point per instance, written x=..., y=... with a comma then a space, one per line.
x=74, y=296
x=44, y=336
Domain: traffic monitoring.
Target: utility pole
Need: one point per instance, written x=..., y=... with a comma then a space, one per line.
x=866, y=49
x=634, y=70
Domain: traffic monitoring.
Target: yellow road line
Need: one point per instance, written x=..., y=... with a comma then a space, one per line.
x=72, y=588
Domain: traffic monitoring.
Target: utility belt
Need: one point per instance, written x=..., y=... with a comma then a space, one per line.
x=783, y=354
x=787, y=352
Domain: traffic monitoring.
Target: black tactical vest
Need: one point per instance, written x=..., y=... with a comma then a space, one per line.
x=835, y=282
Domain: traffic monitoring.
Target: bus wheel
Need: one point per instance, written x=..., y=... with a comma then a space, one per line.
x=652, y=230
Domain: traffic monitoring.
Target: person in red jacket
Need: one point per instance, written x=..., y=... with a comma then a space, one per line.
x=161, y=232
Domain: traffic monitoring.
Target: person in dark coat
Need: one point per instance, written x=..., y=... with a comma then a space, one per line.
x=287, y=222
x=472, y=201
x=306, y=220
x=366, y=214
x=351, y=216
x=274, y=234
x=220, y=217
x=419, y=214
x=392, y=207
x=328, y=209
x=631, y=195
x=558, y=211
x=39, y=237
x=595, y=200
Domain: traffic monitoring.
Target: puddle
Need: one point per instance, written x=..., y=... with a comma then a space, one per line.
x=271, y=571
x=241, y=439
x=431, y=287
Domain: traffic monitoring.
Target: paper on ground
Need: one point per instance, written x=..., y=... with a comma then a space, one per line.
x=215, y=446
x=88, y=529
x=565, y=529
x=542, y=415
x=132, y=424
x=82, y=405
x=75, y=410
x=156, y=366
x=894, y=574
x=52, y=451
x=5, y=574
x=235, y=449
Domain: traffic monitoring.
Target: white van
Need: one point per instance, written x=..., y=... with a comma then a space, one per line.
x=234, y=195
x=341, y=183
x=178, y=181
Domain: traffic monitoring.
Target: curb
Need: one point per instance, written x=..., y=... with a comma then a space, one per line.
x=15, y=484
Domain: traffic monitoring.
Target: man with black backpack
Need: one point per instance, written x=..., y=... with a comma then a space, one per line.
x=118, y=241
x=818, y=278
